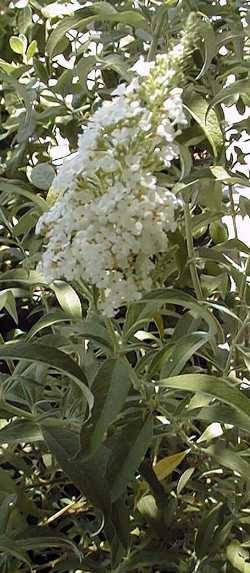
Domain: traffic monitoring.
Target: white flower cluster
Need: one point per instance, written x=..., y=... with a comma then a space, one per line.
x=110, y=217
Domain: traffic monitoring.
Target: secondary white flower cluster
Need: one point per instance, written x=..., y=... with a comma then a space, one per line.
x=110, y=216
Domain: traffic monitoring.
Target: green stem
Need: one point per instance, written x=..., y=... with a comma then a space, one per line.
x=191, y=253
x=234, y=343
x=16, y=411
x=113, y=336
x=243, y=286
x=232, y=204
x=234, y=214
x=75, y=426
x=243, y=296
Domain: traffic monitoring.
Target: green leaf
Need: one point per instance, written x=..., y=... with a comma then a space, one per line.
x=39, y=538
x=215, y=10
x=205, y=535
x=178, y=297
x=21, y=276
x=94, y=329
x=167, y=465
x=84, y=67
x=6, y=67
x=65, y=84
x=25, y=223
x=214, y=387
x=182, y=351
x=221, y=174
x=185, y=477
x=24, y=19
x=244, y=205
x=138, y=315
x=104, y=9
x=128, y=450
x=42, y=73
x=150, y=558
x=14, y=187
x=47, y=321
x=229, y=458
x=67, y=298
x=207, y=120
x=31, y=50
x=17, y=45
x=131, y=18
x=117, y=529
x=72, y=22
x=6, y=508
x=42, y=176
x=7, y=484
x=238, y=556
x=26, y=127
x=218, y=232
x=214, y=284
x=10, y=547
x=116, y=63
x=20, y=431
x=222, y=534
x=148, y=508
x=220, y=413
x=210, y=196
x=186, y=160
x=211, y=432
x=7, y=300
x=88, y=476
x=246, y=355
x=210, y=45
x=239, y=87
x=233, y=245
x=110, y=389
x=51, y=357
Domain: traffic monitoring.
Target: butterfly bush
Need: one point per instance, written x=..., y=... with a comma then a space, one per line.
x=110, y=217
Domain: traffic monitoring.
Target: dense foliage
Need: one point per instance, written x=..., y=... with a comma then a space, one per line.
x=124, y=440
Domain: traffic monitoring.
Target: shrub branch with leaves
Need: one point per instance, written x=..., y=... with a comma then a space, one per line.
x=124, y=408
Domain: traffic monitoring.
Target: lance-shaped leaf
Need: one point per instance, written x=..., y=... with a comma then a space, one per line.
x=228, y=458
x=110, y=389
x=88, y=476
x=207, y=120
x=240, y=87
x=210, y=45
x=214, y=387
x=219, y=413
x=51, y=357
x=10, y=547
x=167, y=465
x=182, y=351
x=127, y=452
x=174, y=296
x=13, y=187
x=205, y=535
x=20, y=431
x=67, y=298
x=72, y=22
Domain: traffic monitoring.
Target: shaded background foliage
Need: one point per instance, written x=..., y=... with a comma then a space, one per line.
x=157, y=479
